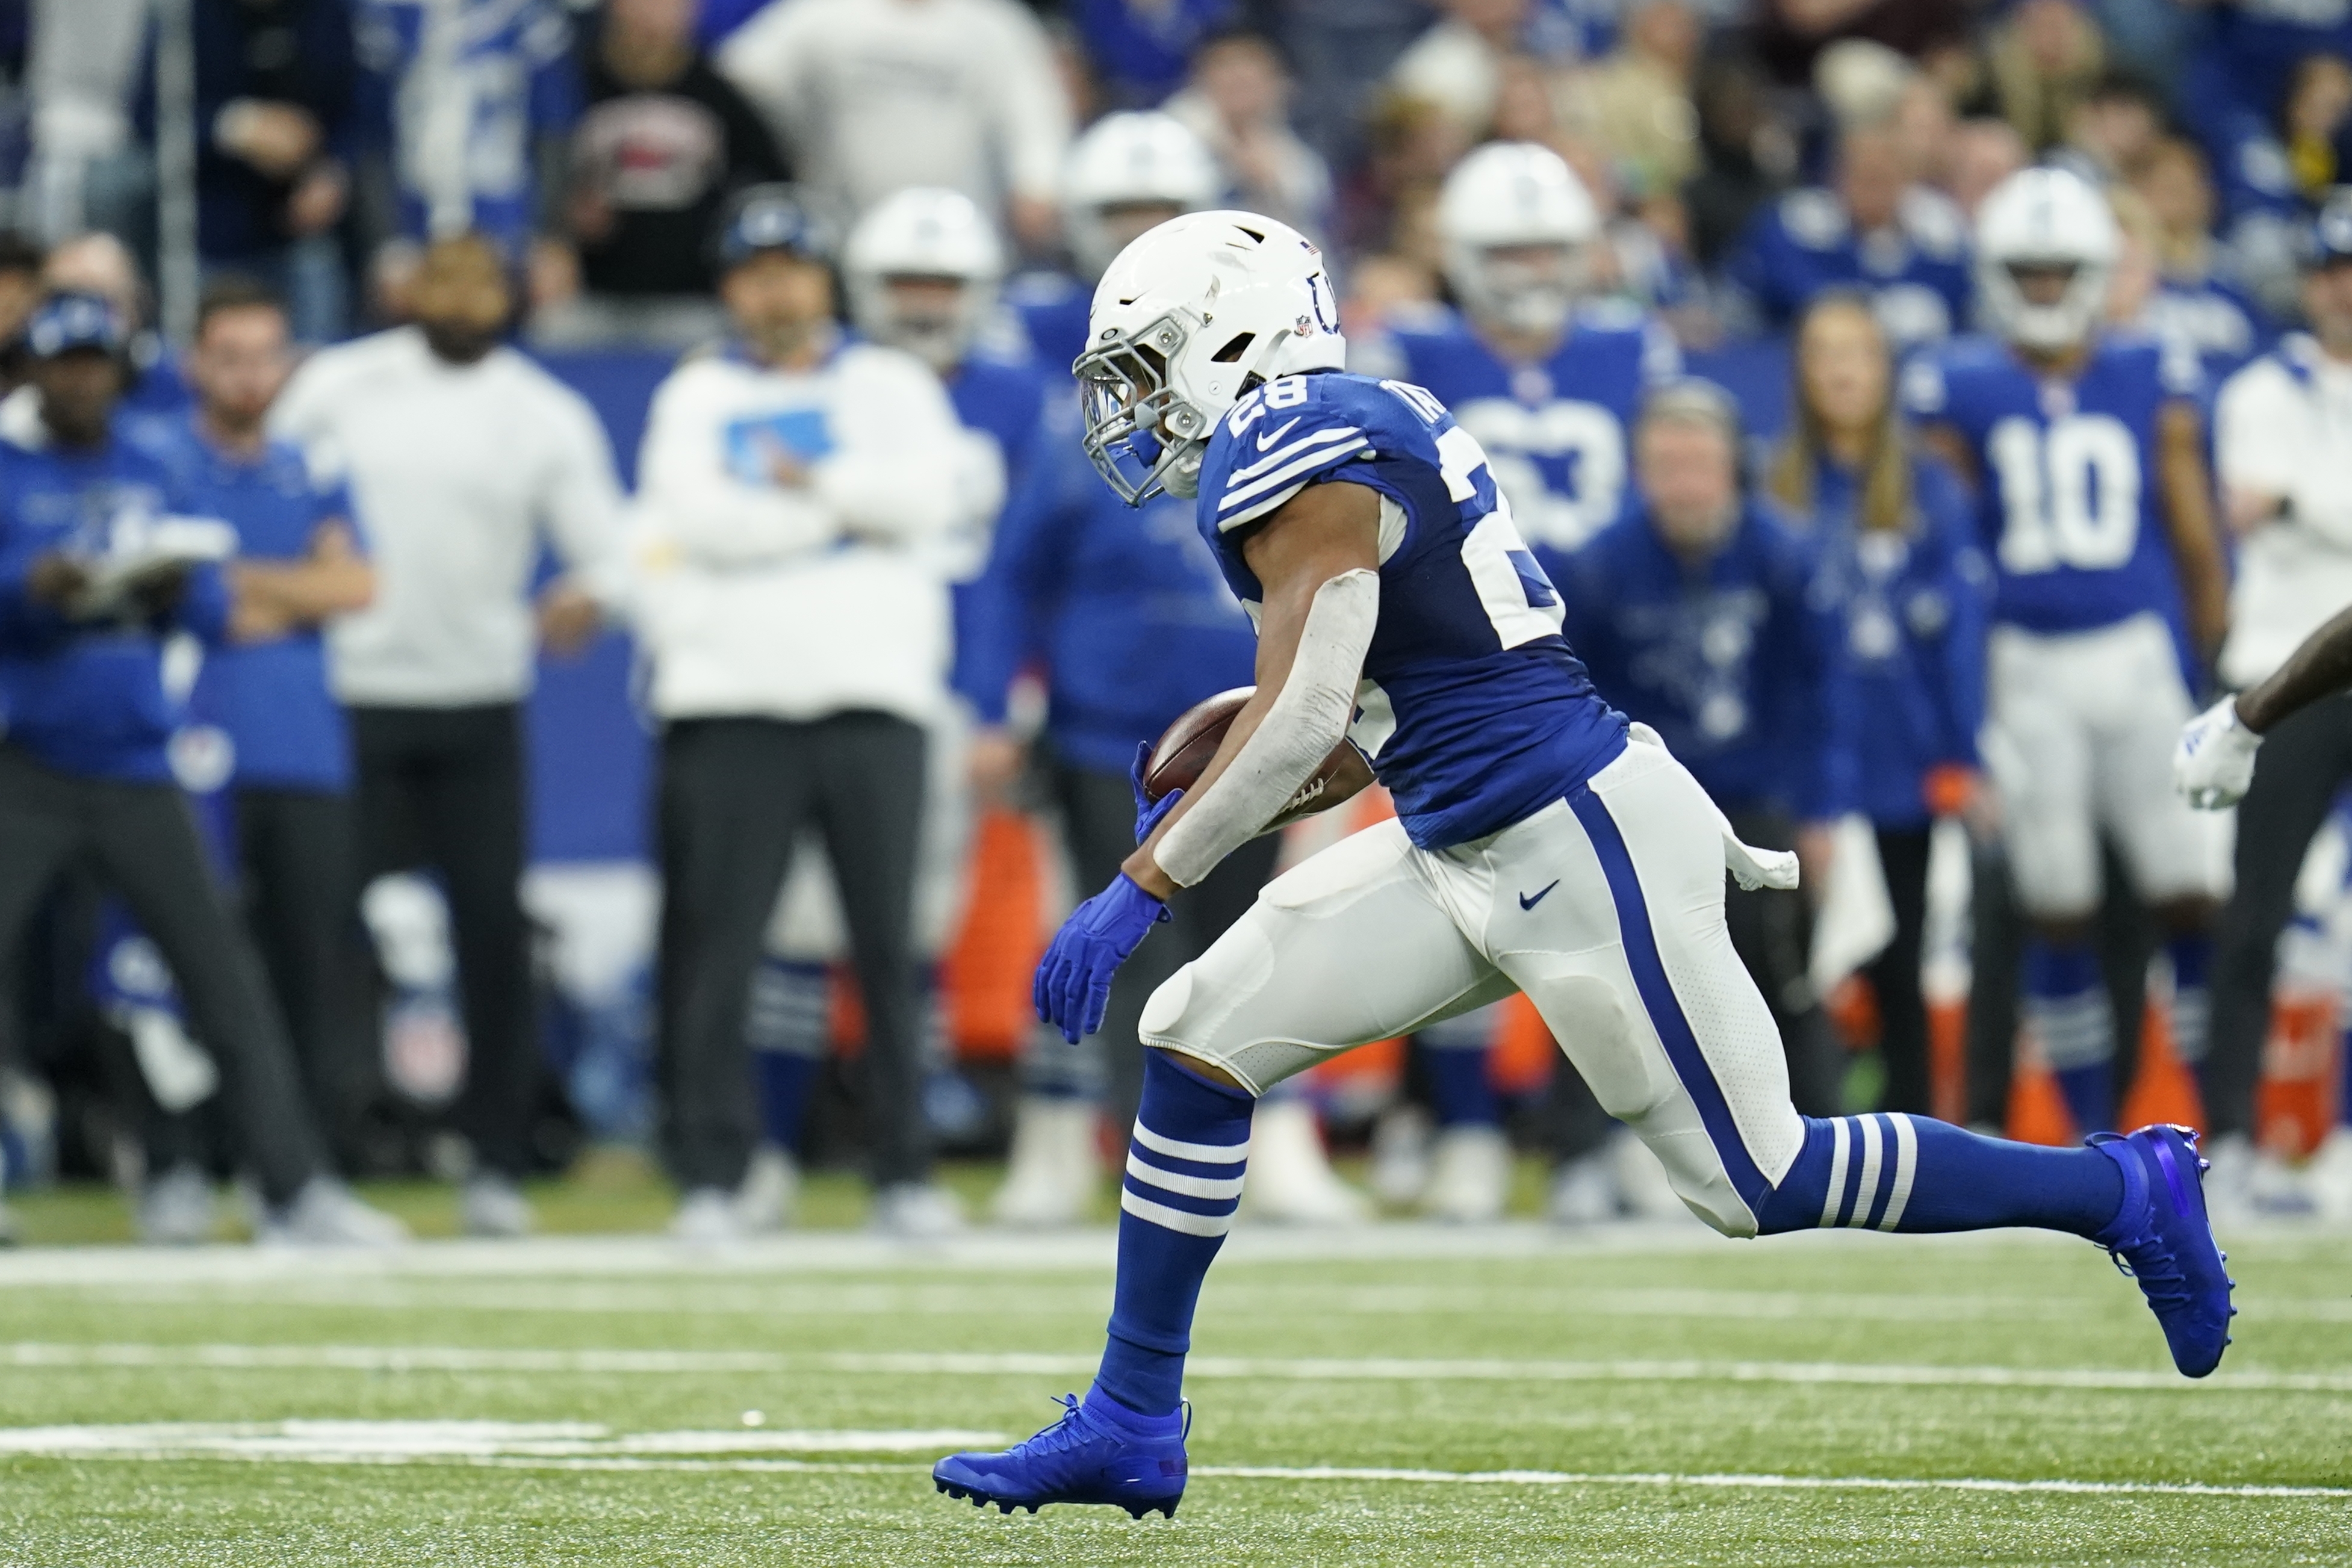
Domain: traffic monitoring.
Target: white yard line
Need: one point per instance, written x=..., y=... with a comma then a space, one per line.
x=1379, y=1369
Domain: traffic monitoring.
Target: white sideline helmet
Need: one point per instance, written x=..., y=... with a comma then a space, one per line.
x=1518, y=196
x=1186, y=320
x=936, y=237
x=1139, y=159
x=2045, y=220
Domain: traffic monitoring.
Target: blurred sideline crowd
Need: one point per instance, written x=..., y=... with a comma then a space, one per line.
x=295, y=499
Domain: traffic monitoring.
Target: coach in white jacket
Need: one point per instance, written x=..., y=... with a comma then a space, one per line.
x=793, y=493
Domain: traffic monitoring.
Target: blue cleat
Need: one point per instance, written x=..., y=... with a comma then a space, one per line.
x=2161, y=1237
x=1100, y=1451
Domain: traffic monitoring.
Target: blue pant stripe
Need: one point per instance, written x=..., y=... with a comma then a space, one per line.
x=1658, y=1000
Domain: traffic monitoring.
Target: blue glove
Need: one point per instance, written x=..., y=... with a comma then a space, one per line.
x=1073, y=976
x=1148, y=812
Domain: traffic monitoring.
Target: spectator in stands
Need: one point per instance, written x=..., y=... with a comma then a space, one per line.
x=1639, y=99
x=1143, y=50
x=1693, y=614
x=792, y=494
x=2043, y=59
x=1899, y=563
x=1128, y=173
x=1792, y=34
x=1903, y=244
x=98, y=264
x=1455, y=66
x=2284, y=460
x=298, y=565
x=1984, y=152
x=665, y=141
x=277, y=104
x=461, y=456
x=2193, y=300
x=92, y=583
x=1238, y=103
x=20, y=290
x=468, y=111
x=873, y=95
x=1747, y=156
x=2277, y=168
x=2110, y=132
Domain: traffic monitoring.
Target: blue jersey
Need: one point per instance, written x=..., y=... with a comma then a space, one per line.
x=89, y=697
x=1916, y=273
x=1004, y=401
x=285, y=729
x=2218, y=321
x=1471, y=710
x=2068, y=501
x=1054, y=309
x=1555, y=433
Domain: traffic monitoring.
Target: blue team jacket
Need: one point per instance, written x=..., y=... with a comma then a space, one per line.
x=1727, y=662
x=1123, y=604
x=89, y=698
x=1909, y=610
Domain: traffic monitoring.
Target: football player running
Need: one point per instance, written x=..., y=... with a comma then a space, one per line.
x=2087, y=449
x=1538, y=845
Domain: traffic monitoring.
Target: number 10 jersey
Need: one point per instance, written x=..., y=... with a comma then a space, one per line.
x=2068, y=499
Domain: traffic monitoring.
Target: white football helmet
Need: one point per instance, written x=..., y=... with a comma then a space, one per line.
x=1186, y=320
x=1142, y=159
x=2045, y=220
x=930, y=235
x=1522, y=197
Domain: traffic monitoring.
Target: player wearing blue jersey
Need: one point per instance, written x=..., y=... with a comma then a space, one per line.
x=1539, y=845
x=2094, y=506
x=1550, y=388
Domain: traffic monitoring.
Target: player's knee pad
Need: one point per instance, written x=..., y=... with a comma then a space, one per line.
x=1183, y=1016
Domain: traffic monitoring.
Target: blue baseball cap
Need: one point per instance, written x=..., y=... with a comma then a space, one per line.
x=64, y=322
x=774, y=217
x=2331, y=231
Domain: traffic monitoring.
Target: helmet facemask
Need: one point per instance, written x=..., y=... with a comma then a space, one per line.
x=2044, y=303
x=934, y=317
x=1528, y=289
x=1140, y=435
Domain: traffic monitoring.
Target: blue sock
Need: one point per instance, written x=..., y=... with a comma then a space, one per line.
x=2066, y=1004
x=788, y=1029
x=2192, y=999
x=1896, y=1172
x=1183, y=1183
x=1454, y=1054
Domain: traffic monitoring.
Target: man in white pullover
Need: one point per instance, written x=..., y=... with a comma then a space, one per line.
x=793, y=491
x=461, y=454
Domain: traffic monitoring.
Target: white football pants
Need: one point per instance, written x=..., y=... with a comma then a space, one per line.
x=1606, y=908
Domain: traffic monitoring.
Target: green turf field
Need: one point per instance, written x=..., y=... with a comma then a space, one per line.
x=1400, y=1396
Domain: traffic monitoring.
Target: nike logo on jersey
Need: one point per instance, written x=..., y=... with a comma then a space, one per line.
x=1527, y=900
x=1265, y=443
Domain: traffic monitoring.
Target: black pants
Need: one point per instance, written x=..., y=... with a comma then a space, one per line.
x=442, y=789
x=1098, y=815
x=734, y=795
x=1773, y=931
x=2301, y=765
x=142, y=842
x=296, y=850
x=1895, y=973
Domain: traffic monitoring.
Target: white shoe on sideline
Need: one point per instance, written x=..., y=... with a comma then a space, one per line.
x=918, y=1211
x=176, y=1209
x=1289, y=1180
x=1643, y=1184
x=707, y=1217
x=2328, y=1178
x=326, y=1213
x=2247, y=1185
x=1584, y=1189
x=1055, y=1165
x=1401, y=1155
x=491, y=1205
x=1469, y=1176
x=770, y=1193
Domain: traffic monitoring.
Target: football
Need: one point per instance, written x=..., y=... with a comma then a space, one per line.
x=1185, y=748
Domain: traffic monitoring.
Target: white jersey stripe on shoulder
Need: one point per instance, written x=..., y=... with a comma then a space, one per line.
x=1176, y=1220
x=1323, y=456
x=1317, y=438
x=1829, y=1204
x=1202, y=1154
x=1906, y=1163
x=1865, y=1191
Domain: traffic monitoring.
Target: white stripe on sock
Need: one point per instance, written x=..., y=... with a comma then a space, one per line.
x=1906, y=1165
x=1189, y=1185
x=1837, y=1173
x=2076, y=1031
x=1865, y=1191
x=1168, y=1218
x=1205, y=1154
